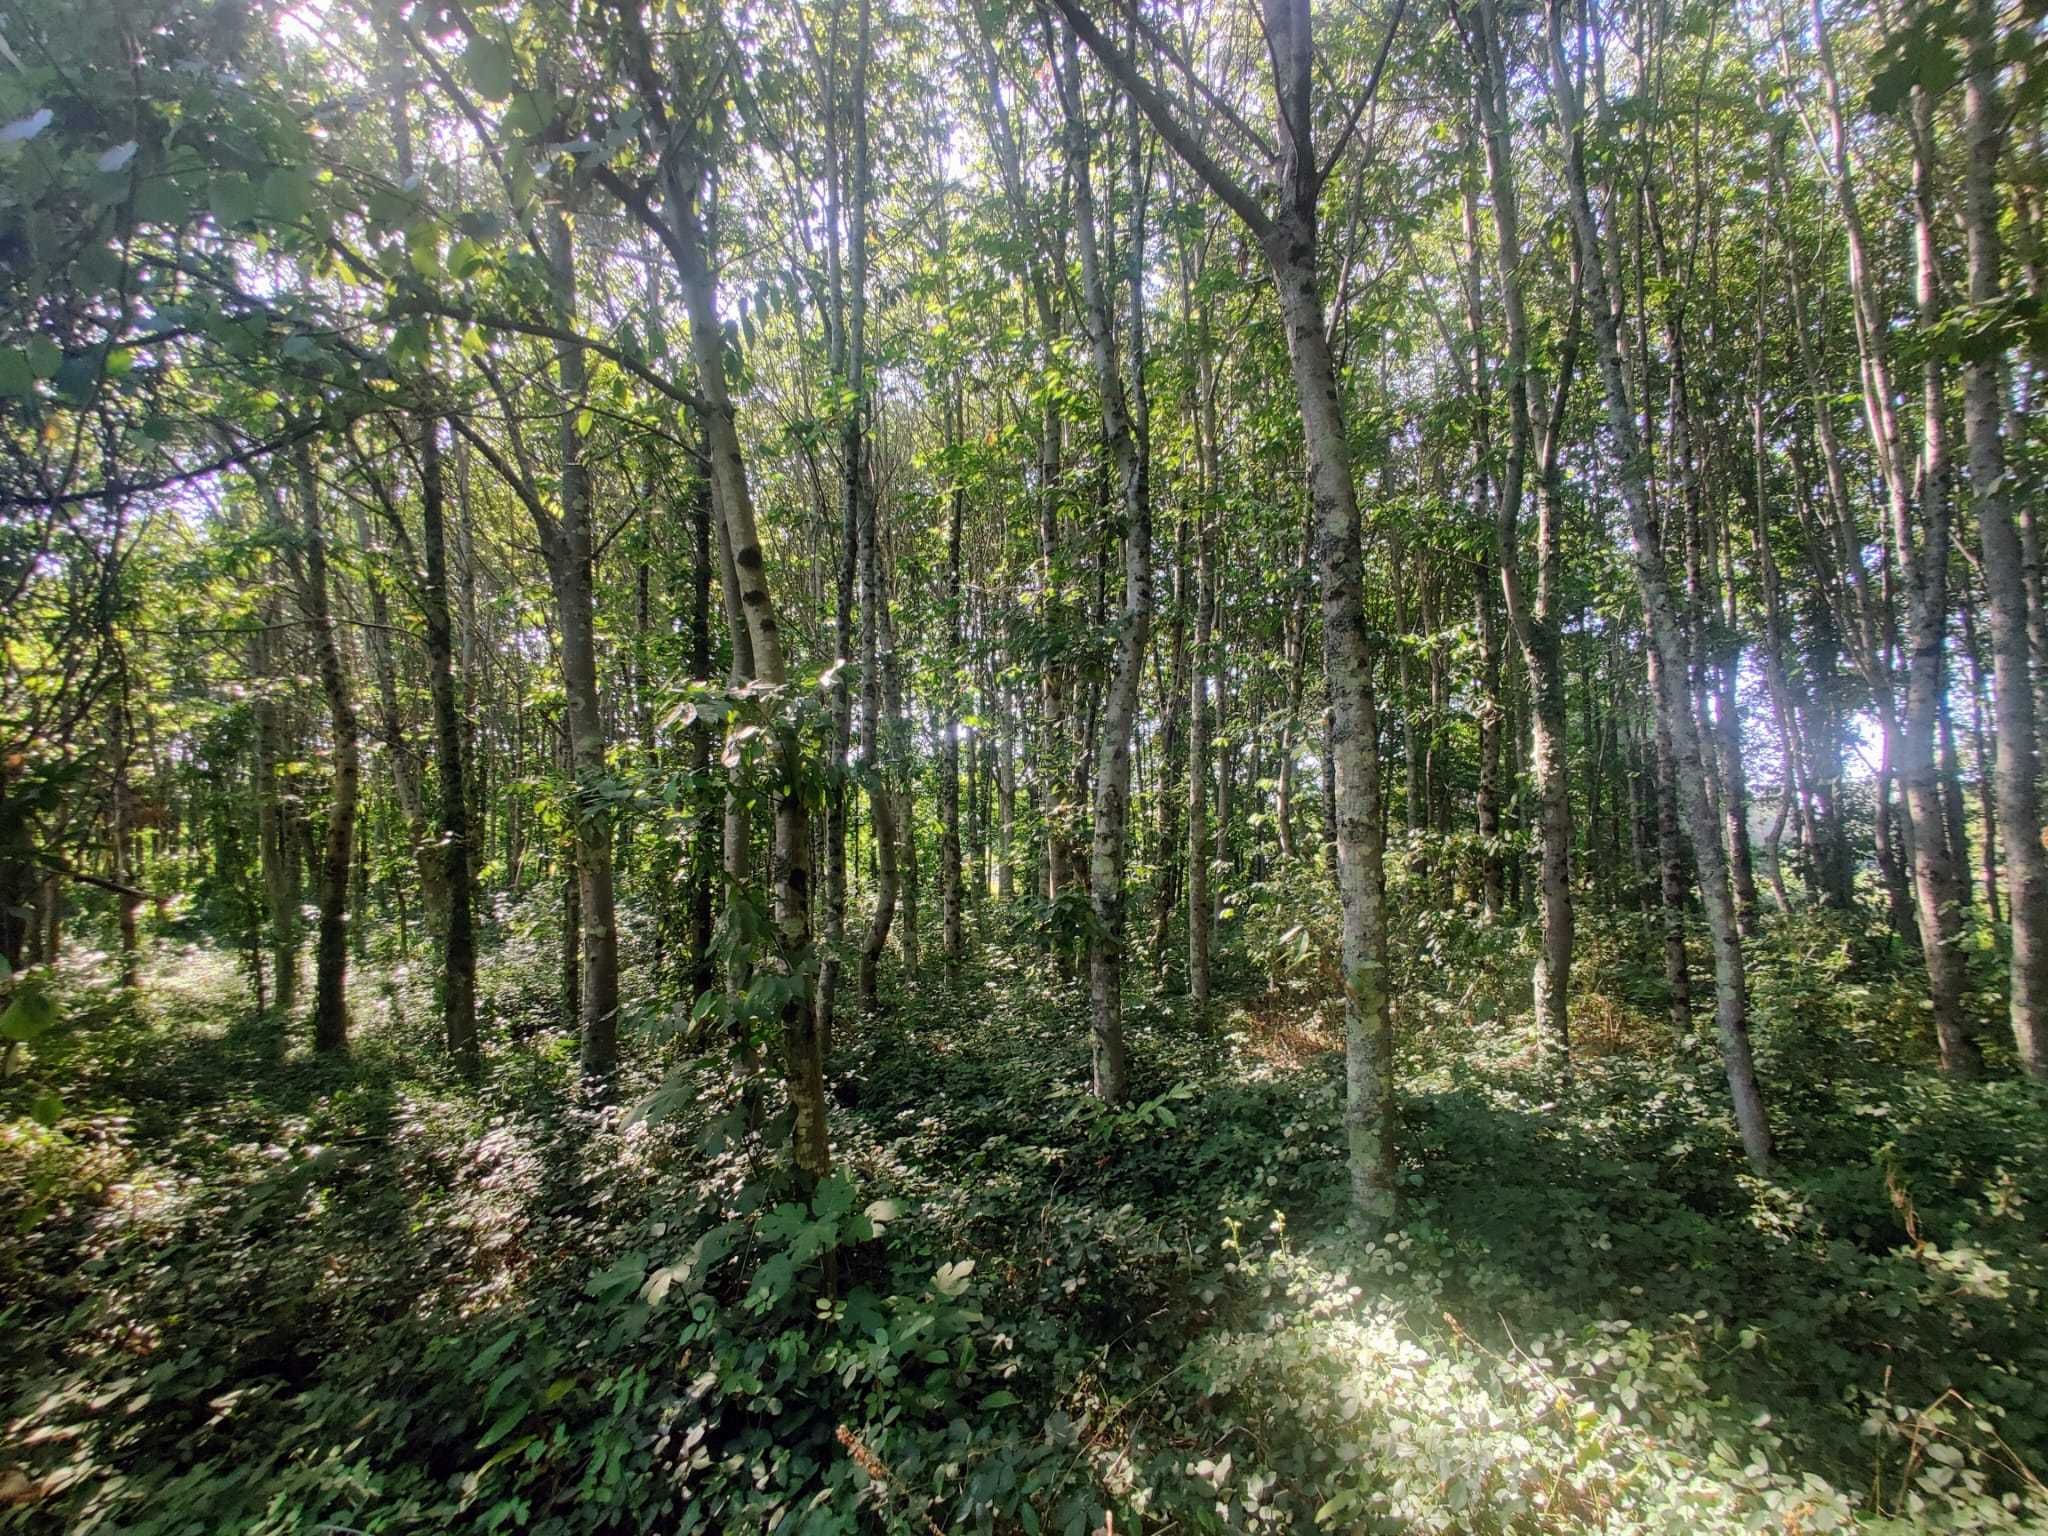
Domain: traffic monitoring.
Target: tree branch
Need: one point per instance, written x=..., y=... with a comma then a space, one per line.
x=1170, y=128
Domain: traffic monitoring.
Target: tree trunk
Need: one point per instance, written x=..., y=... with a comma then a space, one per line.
x=272, y=824
x=1667, y=638
x=330, y=984
x=458, y=928
x=1126, y=430
x=121, y=731
x=2017, y=800
x=803, y=1060
x=953, y=941
x=1534, y=424
x=570, y=552
x=704, y=864
x=1201, y=904
x=1288, y=241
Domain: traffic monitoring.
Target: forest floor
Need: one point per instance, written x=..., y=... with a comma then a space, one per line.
x=254, y=1290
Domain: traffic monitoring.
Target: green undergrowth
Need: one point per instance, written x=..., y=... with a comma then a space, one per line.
x=246, y=1289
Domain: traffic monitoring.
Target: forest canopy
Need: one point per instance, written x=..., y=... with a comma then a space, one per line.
x=831, y=765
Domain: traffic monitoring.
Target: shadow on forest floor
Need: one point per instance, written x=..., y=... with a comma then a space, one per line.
x=1590, y=1313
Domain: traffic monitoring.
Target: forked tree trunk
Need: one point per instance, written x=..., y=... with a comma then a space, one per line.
x=1288, y=241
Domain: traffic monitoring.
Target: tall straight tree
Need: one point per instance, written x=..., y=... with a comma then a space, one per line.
x=2004, y=564
x=1672, y=669
x=950, y=894
x=1535, y=412
x=456, y=920
x=1201, y=716
x=676, y=136
x=330, y=954
x=1126, y=433
x=1287, y=237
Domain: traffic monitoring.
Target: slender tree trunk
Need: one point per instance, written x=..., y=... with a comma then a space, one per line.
x=1288, y=241
x=1201, y=904
x=703, y=860
x=1919, y=559
x=1672, y=884
x=803, y=1059
x=458, y=929
x=1939, y=886
x=953, y=942
x=1126, y=429
x=570, y=551
x=1535, y=423
x=1169, y=797
x=902, y=781
x=330, y=984
x=2017, y=800
x=1667, y=637
x=875, y=764
x=1983, y=752
x=280, y=896
x=121, y=731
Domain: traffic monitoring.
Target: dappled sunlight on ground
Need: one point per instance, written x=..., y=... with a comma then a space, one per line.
x=1590, y=1318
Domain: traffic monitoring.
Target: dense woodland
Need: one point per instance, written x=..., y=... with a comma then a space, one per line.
x=1058, y=765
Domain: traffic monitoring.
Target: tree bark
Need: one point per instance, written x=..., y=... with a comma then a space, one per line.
x=330, y=977
x=2017, y=800
x=272, y=824
x=458, y=929
x=1534, y=425
x=1126, y=432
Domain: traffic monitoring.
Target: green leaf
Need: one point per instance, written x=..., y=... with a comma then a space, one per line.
x=77, y=378
x=508, y=1421
x=467, y=258
x=47, y=1108
x=833, y=1199
x=28, y=1018
x=287, y=196
x=772, y=1282
x=44, y=356
x=17, y=375
x=621, y=1280
x=491, y=68
x=232, y=199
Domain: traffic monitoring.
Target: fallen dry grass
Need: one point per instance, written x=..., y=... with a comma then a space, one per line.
x=1286, y=1031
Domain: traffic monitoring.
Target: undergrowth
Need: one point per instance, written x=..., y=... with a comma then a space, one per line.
x=250, y=1290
